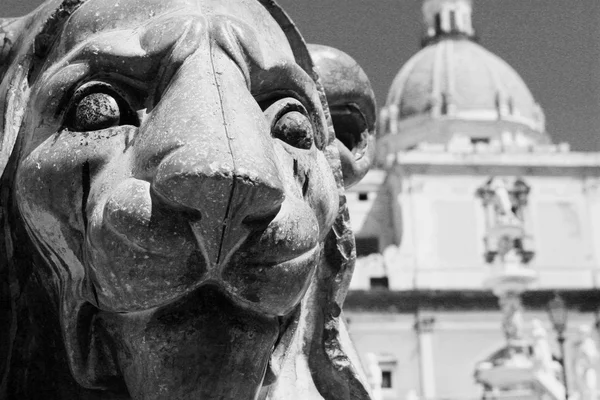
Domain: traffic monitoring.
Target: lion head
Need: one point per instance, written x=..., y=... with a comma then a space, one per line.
x=172, y=213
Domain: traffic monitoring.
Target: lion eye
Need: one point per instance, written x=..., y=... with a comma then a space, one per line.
x=98, y=105
x=289, y=122
x=96, y=111
x=295, y=129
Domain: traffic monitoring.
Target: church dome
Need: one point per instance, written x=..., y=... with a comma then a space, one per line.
x=454, y=87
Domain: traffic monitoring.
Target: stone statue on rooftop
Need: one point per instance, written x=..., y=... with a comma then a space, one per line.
x=172, y=215
x=504, y=205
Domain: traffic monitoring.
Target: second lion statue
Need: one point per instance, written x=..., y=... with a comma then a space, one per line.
x=172, y=215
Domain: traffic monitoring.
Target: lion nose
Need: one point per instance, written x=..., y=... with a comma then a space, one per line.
x=226, y=197
x=207, y=149
x=216, y=185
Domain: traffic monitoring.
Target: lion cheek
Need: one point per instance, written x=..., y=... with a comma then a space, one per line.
x=50, y=210
x=48, y=231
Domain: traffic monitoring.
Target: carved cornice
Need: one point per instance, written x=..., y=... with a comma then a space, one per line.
x=410, y=301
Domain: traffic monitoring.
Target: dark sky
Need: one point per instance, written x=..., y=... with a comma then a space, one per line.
x=553, y=44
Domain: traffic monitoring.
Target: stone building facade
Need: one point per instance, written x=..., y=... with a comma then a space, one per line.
x=470, y=193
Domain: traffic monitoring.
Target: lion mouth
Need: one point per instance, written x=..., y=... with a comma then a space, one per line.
x=143, y=254
x=265, y=274
x=273, y=288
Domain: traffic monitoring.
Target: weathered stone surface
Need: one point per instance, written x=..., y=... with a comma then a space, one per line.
x=172, y=214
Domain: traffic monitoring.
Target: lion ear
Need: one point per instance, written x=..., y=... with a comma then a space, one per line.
x=353, y=109
x=12, y=79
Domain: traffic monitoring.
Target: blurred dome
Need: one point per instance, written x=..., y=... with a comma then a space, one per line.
x=454, y=87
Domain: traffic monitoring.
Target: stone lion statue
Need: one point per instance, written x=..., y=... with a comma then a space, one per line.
x=172, y=214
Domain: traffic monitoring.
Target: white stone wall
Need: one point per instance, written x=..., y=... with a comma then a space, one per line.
x=460, y=340
x=432, y=215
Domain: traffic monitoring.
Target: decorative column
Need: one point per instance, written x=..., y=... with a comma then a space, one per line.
x=374, y=376
x=424, y=329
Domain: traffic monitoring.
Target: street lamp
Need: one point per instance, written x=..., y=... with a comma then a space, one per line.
x=557, y=311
